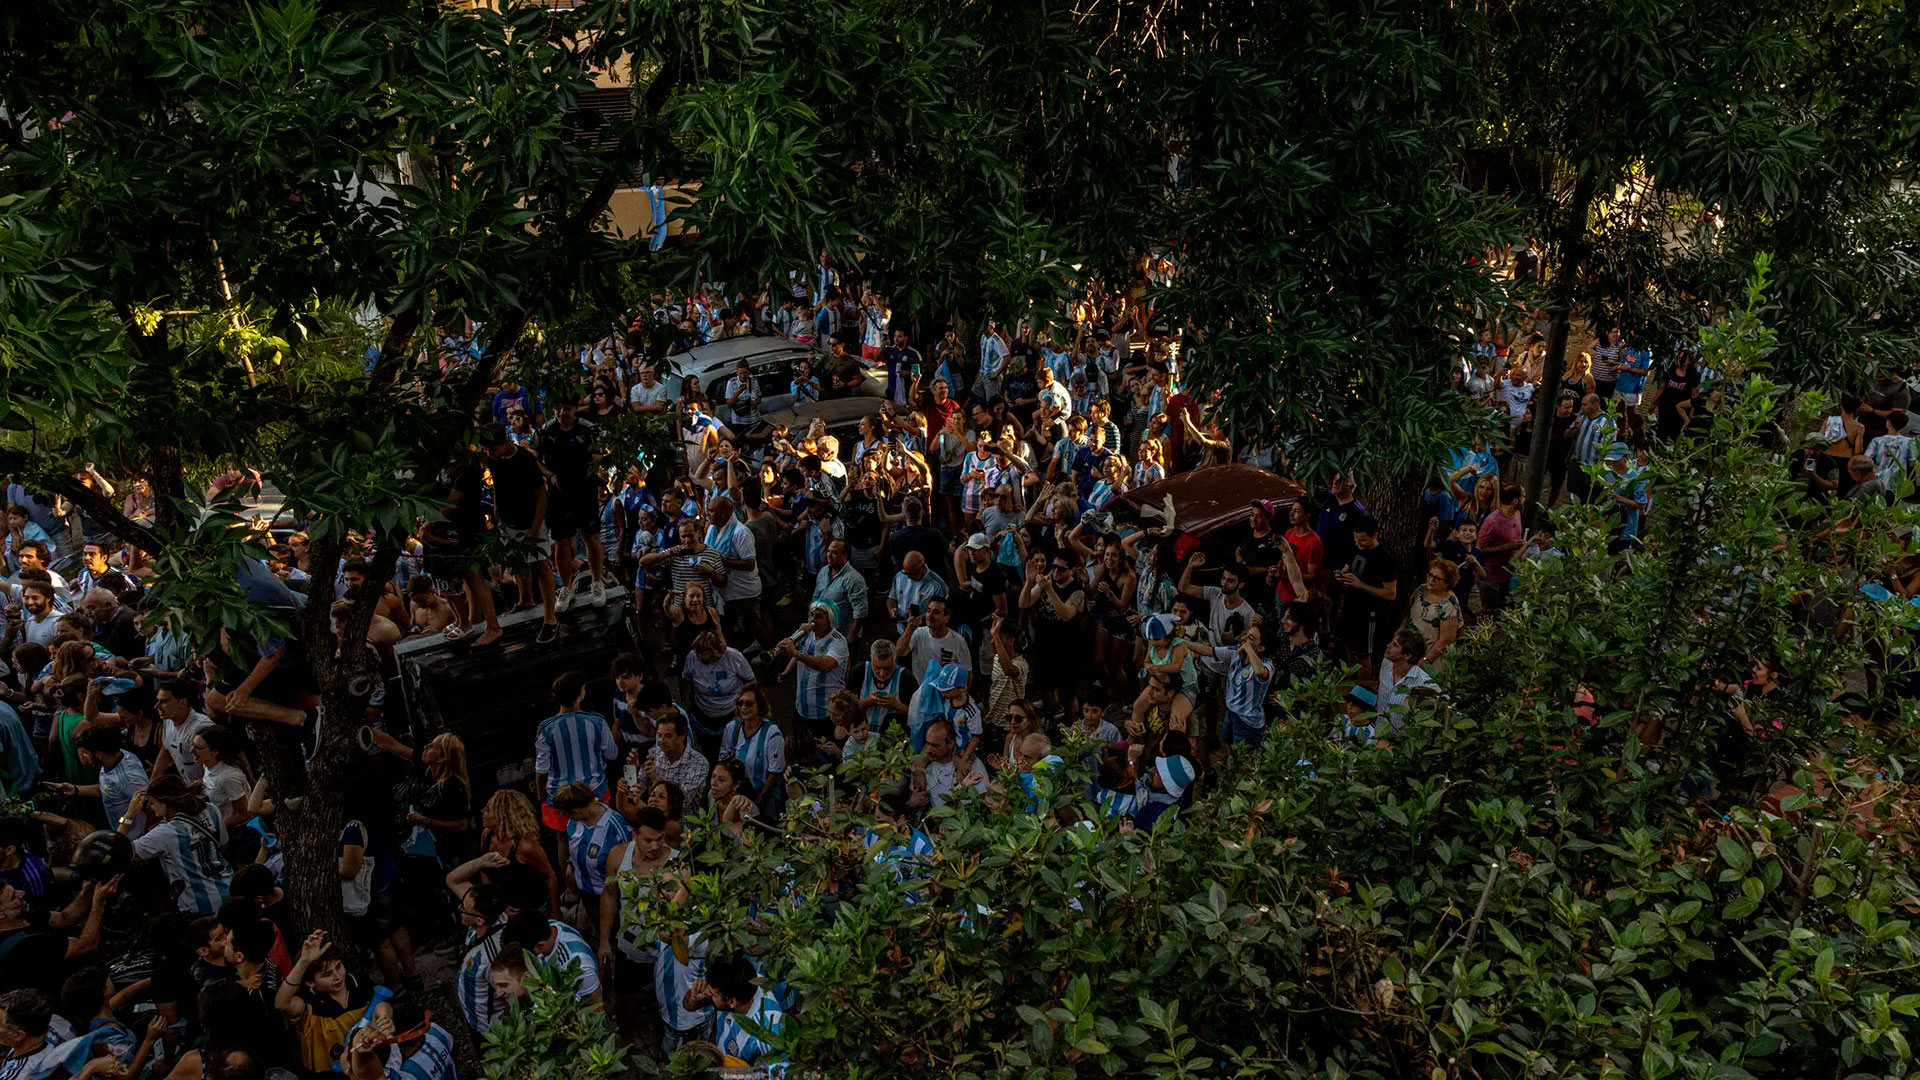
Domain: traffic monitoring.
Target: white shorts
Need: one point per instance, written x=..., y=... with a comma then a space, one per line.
x=1626, y=398
x=545, y=544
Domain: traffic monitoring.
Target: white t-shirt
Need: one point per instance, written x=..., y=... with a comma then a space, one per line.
x=657, y=394
x=179, y=744
x=943, y=777
x=925, y=648
x=225, y=783
x=735, y=541
x=1227, y=623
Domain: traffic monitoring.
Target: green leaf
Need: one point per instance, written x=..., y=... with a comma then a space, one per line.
x=1823, y=965
x=1734, y=854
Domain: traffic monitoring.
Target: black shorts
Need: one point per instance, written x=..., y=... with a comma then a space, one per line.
x=566, y=518
x=1365, y=633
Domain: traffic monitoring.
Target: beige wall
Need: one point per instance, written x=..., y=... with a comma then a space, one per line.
x=631, y=211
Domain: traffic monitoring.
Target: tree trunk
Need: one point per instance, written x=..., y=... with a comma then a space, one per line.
x=311, y=796
x=1395, y=503
x=1570, y=249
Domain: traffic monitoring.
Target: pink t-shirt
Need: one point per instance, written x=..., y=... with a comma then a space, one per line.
x=1499, y=528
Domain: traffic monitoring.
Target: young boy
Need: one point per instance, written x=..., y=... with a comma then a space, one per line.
x=324, y=1001
x=1248, y=676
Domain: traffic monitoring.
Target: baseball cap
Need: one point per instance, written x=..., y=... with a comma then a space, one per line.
x=978, y=541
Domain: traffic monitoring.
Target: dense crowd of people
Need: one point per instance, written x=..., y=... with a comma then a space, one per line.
x=960, y=573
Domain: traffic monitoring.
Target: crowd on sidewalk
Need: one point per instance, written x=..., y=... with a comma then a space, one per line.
x=961, y=574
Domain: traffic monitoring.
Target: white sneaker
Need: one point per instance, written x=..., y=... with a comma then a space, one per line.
x=599, y=593
x=563, y=599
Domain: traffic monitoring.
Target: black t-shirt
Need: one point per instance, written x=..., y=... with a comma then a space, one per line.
x=1017, y=387
x=516, y=487
x=32, y=959
x=976, y=605
x=469, y=517
x=1374, y=566
x=119, y=635
x=1259, y=551
x=568, y=452
x=931, y=545
x=1674, y=389
x=860, y=519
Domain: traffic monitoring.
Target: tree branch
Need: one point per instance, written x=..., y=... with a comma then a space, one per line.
x=395, y=347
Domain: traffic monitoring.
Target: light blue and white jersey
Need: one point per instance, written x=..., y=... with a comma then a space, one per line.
x=894, y=684
x=119, y=783
x=928, y=705
x=733, y=1038
x=1116, y=804
x=717, y=686
x=1060, y=362
x=764, y=753
x=904, y=856
x=1246, y=692
x=1892, y=457
x=432, y=1061
x=473, y=984
x=187, y=847
x=671, y=981
x=815, y=686
x=910, y=597
x=570, y=948
x=993, y=355
x=1591, y=435
x=574, y=748
x=588, y=846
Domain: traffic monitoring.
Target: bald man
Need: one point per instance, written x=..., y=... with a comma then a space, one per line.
x=913, y=586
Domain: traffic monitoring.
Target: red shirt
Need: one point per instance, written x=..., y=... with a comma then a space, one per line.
x=937, y=414
x=1311, y=554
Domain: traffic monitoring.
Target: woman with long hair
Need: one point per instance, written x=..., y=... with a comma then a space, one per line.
x=185, y=836
x=444, y=808
x=729, y=796
x=690, y=618
x=509, y=828
x=1113, y=582
x=227, y=781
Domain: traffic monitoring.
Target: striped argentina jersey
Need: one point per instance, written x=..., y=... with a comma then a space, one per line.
x=905, y=858
x=1116, y=804
x=893, y=684
x=1246, y=692
x=574, y=747
x=589, y=845
x=187, y=847
x=569, y=948
x=763, y=752
x=432, y=1061
x=911, y=596
x=815, y=687
x=671, y=981
x=473, y=984
x=735, y=1040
